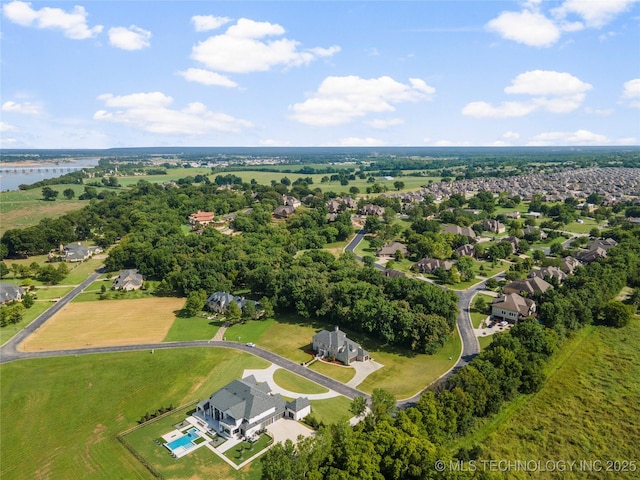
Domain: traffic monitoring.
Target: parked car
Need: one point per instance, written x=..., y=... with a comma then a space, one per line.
x=503, y=323
x=251, y=344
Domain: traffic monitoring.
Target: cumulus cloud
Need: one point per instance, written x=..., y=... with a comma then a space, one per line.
x=73, y=24
x=555, y=92
x=203, y=23
x=594, y=13
x=206, y=77
x=530, y=28
x=631, y=93
x=132, y=38
x=25, y=108
x=247, y=47
x=340, y=100
x=151, y=112
x=579, y=137
x=535, y=28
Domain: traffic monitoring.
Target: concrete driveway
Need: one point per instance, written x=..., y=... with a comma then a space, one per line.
x=285, y=429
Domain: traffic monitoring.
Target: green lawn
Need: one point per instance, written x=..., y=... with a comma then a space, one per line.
x=476, y=316
x=60, y=416
x=250, y=331
x=485, y=341
x=30, y=314
x=337, y=372
x=93, y=292
x=192, y=328
x=587, y=410
x=47, y=293
x=331, y=410
x=295, y=383
x=585, y=227
x=405, y=373
x=241, y=452
x=78, y=272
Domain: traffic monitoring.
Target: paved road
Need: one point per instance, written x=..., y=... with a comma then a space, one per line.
x=9, y=352
x=257, y=351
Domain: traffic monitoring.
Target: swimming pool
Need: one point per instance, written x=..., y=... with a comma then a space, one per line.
x=185, y=441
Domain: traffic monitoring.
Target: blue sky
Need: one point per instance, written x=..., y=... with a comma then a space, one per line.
x=100, y=74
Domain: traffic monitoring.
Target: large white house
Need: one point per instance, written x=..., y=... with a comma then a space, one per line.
x=244, y=407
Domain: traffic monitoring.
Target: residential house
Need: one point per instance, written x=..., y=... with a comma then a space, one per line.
x=128, y=280
x=76, y=252
x=605, y=244
x=493, y=226
x=335, y=344
x=11, y=293
x=201, y=218
x=290, y=201
x=349, y=202
x=333, y=206
x=569, y=264
x=391, y=273
x=550, y=272
x=244, y=407
x=514, y=241
x=391, y=249
x=466, y=250
x=430, y=265
x=592, y=255
x=513, y=215
x=512, y=307
x=529, y=229
x=456, y=230
x=370, y=209
x=531, y=287
x=284, y=211
x=219, y=301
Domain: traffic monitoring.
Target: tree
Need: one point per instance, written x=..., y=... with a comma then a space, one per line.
x=249, y=310
x=49, y=194
x=267, y=308
x=354, y=190
x=195, y=303
x=233, y=313
x=69, y=193
x=398, y=185
x=27, y=301
x=383, y=403
x=616, y=314
x=358, y=406
x=4, y=270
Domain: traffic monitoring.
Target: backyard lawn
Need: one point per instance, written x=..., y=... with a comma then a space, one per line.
x=331, y=410
x=94, y=398
x=337, y=372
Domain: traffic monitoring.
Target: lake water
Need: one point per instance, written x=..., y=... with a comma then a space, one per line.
x=11, y=177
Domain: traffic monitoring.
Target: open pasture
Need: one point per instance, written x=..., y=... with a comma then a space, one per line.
x=106, y=322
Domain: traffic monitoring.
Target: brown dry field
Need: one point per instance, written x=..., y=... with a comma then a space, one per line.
x=106, y=323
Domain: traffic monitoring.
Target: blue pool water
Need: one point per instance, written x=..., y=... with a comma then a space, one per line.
x=183, y=441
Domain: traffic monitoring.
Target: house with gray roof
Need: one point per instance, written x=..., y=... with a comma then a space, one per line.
x=76, y=252
x=456, y=230
x=244, y=407
x=391, y=249
x=430, y=265
x=128, y=280
x=10, y=292
x=550, y=272
x=335, y=344
x=219, y=301
x=512, y=307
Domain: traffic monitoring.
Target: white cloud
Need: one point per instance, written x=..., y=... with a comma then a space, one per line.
x=631, y=93
x=530, y=28
x=151, y=112
x=511, y=135
x=132, y=38
x=579, y=137
x=555, y=92
x=360, y=142
x=203, y=23
x=206, y=77
x=595, y=13
x=26, y=108
x=547, y=82
x=340, y=100
x=602, y=112
x=381, y=123
x=7, y=127
x=73, y=24
x=243, y=49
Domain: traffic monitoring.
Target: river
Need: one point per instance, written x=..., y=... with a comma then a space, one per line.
x=14, y=174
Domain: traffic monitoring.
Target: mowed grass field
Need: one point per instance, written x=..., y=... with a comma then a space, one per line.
x=295, y=383
x=60, y=416
x=587, y=410
x=106, y=322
